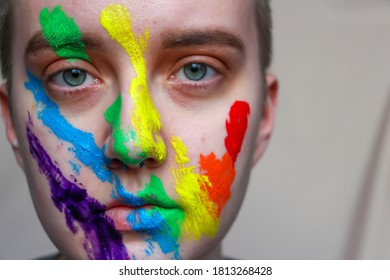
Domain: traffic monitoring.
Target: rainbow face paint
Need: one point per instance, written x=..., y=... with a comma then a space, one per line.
x=200, y=211
x=221, y=172
x=121, y=136
x=152, y=214
x=91, y=156
x=101, y=240
x=62, y=34
x=204, y=195
x=166, y=214
x=145, y=118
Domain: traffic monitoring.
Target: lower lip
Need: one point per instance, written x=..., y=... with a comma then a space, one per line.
x=120, y=214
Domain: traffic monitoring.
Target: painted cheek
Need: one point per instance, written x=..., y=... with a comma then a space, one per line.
x=236, y=128
x=221, y=172
x=201, y=212
x=204, y=195
x=145, y=118
x=65, y=193
x=101, y=240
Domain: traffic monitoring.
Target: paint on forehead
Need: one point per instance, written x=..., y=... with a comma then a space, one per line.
x=200, y=211
x=102, y=241
x=122, y=136
x=145, y=118
x=62, y=34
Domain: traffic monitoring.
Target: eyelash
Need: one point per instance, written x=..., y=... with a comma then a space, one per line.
x=201, y=86
x=68, y=90
x=186, y=86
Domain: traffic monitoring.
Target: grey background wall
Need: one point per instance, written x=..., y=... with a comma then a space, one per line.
x=322, y=191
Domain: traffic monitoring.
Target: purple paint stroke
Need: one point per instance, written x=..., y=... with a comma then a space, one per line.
x=102, y=240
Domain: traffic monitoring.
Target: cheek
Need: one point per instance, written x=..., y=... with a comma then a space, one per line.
x=204, y=194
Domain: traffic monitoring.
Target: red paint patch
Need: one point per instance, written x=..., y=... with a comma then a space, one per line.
x=236, y=128
x=221, y=174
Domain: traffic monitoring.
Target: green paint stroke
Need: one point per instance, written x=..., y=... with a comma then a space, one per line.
x=112, y=116
x=175, y=217
x=62, y=34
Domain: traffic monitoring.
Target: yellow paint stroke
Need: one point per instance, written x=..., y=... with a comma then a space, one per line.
x=201, y=212
x=145, y=118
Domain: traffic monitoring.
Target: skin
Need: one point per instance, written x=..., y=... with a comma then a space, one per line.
x=150, y=159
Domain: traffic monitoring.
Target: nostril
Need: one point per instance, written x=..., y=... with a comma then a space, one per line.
x=116, y=164
x=149, y=162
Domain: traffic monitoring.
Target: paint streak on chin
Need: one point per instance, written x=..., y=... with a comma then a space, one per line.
x=102, y=241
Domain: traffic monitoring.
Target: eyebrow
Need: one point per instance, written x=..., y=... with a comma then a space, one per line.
x=38, y=43
x=173, y=39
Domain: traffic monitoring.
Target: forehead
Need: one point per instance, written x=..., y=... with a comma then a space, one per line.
x=159, y=17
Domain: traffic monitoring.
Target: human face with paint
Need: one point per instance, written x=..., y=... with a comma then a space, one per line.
x=137, y=123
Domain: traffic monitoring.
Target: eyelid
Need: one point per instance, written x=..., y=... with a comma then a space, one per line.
x=201, y=87
x=209, y=61
x=59, y=66
x=210, y=71
x=63, y=93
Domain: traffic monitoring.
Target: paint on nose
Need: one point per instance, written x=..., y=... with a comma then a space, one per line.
x=124, y=137
x=145, y=118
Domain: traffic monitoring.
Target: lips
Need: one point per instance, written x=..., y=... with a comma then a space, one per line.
x=147, y=217
x=119, y=215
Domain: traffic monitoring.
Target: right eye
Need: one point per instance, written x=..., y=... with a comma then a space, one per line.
x=72, y=77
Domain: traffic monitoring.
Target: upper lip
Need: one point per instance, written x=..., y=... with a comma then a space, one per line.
x=152, y=200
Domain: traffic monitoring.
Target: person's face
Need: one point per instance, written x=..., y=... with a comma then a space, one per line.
x=138, y=122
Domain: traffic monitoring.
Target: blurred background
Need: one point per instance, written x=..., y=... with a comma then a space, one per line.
x=322, y=190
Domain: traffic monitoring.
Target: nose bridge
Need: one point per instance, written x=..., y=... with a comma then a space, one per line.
x=135, y=126
x=123, y=135
x=145, y=119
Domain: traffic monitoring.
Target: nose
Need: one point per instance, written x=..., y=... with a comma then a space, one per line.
x=134, y=140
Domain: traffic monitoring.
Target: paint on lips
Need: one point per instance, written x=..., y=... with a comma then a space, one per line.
x=86, y=150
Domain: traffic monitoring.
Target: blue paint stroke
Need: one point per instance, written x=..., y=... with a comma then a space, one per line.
x=102, y=240
x=86, y=150
x=75, y=167
x=84, y=146
x=152, y=223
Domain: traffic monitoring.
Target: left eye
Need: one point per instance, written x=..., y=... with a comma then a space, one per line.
x=196, y=72
x=72, y=77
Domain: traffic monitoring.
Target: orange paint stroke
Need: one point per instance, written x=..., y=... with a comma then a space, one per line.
x=221, y=172
x=221, y=175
